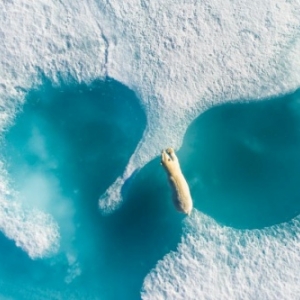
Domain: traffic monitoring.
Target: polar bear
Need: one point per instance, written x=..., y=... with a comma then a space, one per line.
x=181, y=193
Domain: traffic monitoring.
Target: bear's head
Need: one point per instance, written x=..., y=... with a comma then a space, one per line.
x=169, y=160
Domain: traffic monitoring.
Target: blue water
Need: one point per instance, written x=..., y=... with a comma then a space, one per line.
x=243, y=162
x=78, y=139
x=69, y=143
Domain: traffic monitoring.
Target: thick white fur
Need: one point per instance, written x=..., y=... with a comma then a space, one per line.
x=181, y=193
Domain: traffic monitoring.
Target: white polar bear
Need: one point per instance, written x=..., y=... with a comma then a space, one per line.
x=181, y=193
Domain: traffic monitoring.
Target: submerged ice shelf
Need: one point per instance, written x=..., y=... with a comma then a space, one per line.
x=242, y=161
x=67, y=145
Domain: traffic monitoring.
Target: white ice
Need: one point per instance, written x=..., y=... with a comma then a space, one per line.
x=32, y=230
x=215, y=262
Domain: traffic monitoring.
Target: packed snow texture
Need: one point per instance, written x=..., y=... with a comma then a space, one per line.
x=214, y=262
x=32, y=230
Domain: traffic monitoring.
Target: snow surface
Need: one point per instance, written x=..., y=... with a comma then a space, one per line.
x=32, y=230
x=215, y=262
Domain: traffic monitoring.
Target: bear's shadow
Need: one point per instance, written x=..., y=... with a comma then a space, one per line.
x=144, y=229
